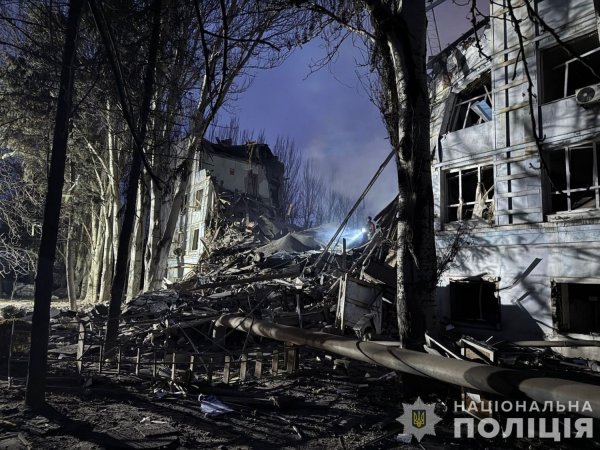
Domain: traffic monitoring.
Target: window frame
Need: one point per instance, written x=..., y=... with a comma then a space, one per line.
x=481, y=322
x=566, y=64
x=595, y=147
x=460, y=171
x=198, y=197
x=456, y=108
x=562, y=303
x=195, y=240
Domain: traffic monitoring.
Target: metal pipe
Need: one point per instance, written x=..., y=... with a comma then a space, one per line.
x=566, y=343
x=491, y=379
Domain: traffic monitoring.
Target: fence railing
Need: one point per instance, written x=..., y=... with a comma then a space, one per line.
x=86, y=357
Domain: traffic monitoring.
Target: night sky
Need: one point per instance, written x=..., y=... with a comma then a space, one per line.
x=328, y=114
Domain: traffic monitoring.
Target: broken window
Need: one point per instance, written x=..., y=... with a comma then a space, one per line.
x=183, y=204
x=475, y=302
x=473, y=105
x=195, y=237
x=252, y=183
x=562, y=74
x=574, y=177
x=198, y=197
x=470, y=193
x=577, y=307
x=178, y=242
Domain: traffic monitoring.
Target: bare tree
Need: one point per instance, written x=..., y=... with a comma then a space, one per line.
x=232, y=37
x=285, y=149
x=312, y=191
x=138, y=130
x=36, y=375
x=20, y=215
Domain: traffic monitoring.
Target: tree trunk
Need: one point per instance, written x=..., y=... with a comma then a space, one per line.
x=113, y=161
x=137, y=247
x=400, y=30
x=122, y=262
x=70, y=268
x=97, y=252
x=38, y=356
x=107, y=258
x=154, y=231
x=156, y=261
x=82, y=262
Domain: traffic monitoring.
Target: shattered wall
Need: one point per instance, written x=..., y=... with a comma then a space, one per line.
x=248, y=170
x=251, y=169
x=537, y=224
x=192, y=226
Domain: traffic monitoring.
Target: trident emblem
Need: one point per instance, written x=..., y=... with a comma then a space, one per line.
x=418, y=418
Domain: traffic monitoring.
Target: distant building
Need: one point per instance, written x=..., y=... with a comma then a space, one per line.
x=250, y=170
x=531, y=270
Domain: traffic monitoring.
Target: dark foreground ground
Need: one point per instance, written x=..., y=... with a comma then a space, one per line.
x=353, y=408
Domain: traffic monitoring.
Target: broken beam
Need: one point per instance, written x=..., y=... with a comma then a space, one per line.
x=481, y=377
x=239, y=281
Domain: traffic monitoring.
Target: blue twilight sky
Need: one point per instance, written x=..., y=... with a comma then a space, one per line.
x=329, y=115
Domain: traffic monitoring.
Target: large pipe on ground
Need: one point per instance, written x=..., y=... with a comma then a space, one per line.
x=481, y=377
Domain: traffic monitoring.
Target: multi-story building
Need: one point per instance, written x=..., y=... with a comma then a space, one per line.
x=528, y=209
x=250, y=171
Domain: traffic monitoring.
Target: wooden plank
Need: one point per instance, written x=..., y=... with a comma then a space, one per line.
x=518, y=193
x=173, y=366
x=243, y=367
x=258, y=365
x=275, y=362
x=10, y=345
x=240, y=281
x=137, y=362
x=512, y=84
x=209, y=371
x=227, y=369
x=508, y=212
x=101, y=358
x=80, y=347
x=512, y=107
x=292, y=360
x=119, y=361
x=528, y=174
x=154, y=364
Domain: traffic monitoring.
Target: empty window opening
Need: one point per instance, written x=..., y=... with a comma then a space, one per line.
x=473, y=105
x=184, y=204
x=574, y=178
x=178, y=242
x=252, y=183
x=562, y=74
x=470, y=193
x=475, y=302
x=198, y=198
x=195, y=237
x=577, y=307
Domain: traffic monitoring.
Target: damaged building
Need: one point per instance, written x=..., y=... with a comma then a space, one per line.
x=247, y=174
x=525, y=205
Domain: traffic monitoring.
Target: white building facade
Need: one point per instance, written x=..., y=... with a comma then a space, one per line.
x=528, y=267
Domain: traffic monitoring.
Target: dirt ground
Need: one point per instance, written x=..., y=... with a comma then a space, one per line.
x=314, y=408
x=354, y=406
x=27, y=303
x=291, y=411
